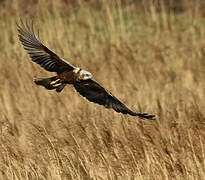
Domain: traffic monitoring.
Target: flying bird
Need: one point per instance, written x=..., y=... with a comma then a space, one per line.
x=82, y=80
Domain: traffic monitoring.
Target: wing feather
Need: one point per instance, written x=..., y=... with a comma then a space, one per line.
x=97, y=94
x=39, y=53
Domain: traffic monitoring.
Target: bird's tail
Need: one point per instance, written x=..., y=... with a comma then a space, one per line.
x=50, y=83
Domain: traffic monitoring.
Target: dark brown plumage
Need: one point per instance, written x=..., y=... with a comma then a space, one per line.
x=68, y=74
x=97, y=94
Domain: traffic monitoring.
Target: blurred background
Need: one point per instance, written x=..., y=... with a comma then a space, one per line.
x=148, y=53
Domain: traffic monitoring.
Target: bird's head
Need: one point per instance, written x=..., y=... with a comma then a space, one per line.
x=83, y=75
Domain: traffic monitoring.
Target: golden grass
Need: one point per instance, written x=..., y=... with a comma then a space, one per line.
x=152, y=61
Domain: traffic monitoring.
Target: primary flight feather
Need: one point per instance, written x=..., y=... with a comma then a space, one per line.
x=68, y=74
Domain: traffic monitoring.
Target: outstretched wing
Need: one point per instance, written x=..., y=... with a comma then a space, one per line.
x=97, y=94
x=39, y=53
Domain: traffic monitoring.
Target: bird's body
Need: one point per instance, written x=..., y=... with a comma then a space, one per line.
x=82, y=80
x=70, y=77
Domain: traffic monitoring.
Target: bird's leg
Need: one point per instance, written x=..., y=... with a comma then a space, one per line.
x=54, y=82
x=56, y=85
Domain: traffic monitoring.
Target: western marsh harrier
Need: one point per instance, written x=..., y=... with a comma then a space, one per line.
x=68, y=74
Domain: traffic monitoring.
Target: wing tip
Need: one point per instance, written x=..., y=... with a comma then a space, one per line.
x=147, y=116
x=26, y=30
x=143, y=115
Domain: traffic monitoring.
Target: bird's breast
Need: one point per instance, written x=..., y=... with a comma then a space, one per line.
x=68, y=77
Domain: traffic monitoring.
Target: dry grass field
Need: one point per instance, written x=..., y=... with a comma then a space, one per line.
x=151, y=57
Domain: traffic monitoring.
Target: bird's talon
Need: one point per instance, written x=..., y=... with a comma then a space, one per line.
x=53, y=82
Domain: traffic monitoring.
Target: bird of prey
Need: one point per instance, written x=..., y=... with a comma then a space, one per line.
x=68, y=74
